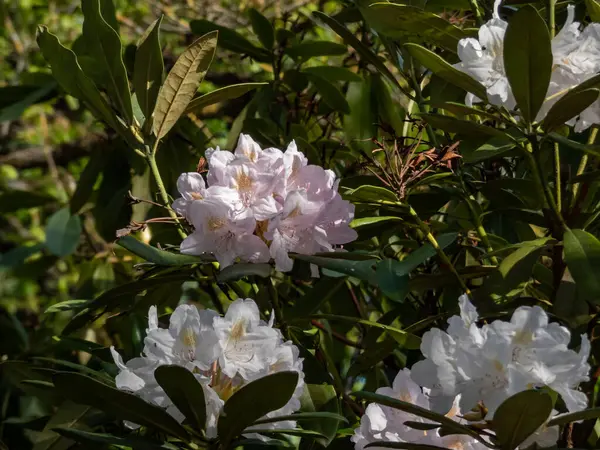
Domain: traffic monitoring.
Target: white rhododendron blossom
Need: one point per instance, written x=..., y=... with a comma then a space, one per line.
x=223, y=353
x=262, y=204
x=474, y=369
x=489, y=363
x=576, y=58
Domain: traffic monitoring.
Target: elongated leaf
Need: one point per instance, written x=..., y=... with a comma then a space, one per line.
x=239, y=270
x=333, y=73
x=361, y=48
x=68, y=415
x=520, y=416
x=87, y=180
x=593, y=8
x=302, y=416
x=135, y=442
x=372, y=194
x=231, y=40
x=399, y=21
x=584, y=148
x=330, y=94
x=464, y=110
x=366, y=221
x=310, y=49
x=263, y=28
x=157, y=256
x=463, y=127
x=582, y=255
x=182, y=82
x=418, y=411
x=148, y=68
x=221, y=95
x=70, y=76
x=250, y=403
x=321, y=400
x=496, y=147
x=62, y=233
x=568, y=107
x=586, y=414
x=528, y=60
x=403, y=445
x=407, y=340
x=87, y=391
x=106, y=46
x=186, y=393
x=67, y=305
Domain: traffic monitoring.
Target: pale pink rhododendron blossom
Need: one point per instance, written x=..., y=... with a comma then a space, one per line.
x=260, y=204
x=576, y=58
x=223, y=354
x=470, y=368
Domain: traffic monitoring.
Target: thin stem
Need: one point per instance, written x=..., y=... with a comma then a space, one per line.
x=481, y=231
x=557, y=177
x=427, y=232
x=151, y=158
x=551, y=17
x=582, y=166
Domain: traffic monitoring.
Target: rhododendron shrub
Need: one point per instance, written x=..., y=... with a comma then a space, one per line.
x=383, y=233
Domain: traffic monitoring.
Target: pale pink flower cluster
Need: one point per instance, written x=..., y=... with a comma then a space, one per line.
x=259, y=204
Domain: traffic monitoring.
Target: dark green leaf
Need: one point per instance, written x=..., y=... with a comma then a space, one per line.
x=231, y=40
x=333, y=73
x=582, y=255
x=391, y=279
x=134, y=442
x=62, y=233
x=585, y=148
x=105, y=44
x=462, y=127
x=14, y=110
x=182, y=82
x=18, y=255
x=221, y=95
x=125, y=406
x=311, y=49
x=263, y=28
x=403, y=445
x=87, y=180
x=186, y=393
x=586, y=414
x=496, y=147
x=250, y=403
x=148, y=69
x=67, y=305
x=528, y=60
x=520, y=416
x=330, y=94
x=400, y=21
x=157, y=256
x=593, y=9
x=321, y=402
x=372, y=194
x=568, y=107
x=15, y=200
x=240, y=270
x=69, y=415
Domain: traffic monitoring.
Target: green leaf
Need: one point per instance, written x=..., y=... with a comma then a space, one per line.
x=418, y=411
x=372, y=194
x=586, y=414
x=330, y=94
x=263, y=28
x=148, y=68
x=321, y=402
x=496, y=147
x=303, y=416
x=584, y=148
x=407, y=340
x=462, y=127
x=87, y=391
x=464, y=110
x=14, y=110
x=582, y=255
x=105, y=44
x=593, y=9
x=366, y=221
x=231, y=40
x=364, y=51
x=71, y=78
x=311, y=49
x=132, y=441
x=221, y=95
x=363, y=270
x=528, y=60
x=67, y=305
x=16, y=200
x=182, y=82
x=157, y=256
x=186, y=393
x=62, y=233
x=240, y=270
x=68, y=416
x=18, y=255
x=400, y=21
x=333, y=73
x=520, y=416
x=403, y=445
x=568, y=107
x=391, y=279
x=87, y=180
x=250, y=403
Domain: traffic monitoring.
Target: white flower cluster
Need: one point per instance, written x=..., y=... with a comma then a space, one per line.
x=470, y=366
x=261, y=204
x=223, y=353
x=576, y=58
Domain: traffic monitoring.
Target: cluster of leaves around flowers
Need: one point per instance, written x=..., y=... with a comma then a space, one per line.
x=452, y=196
